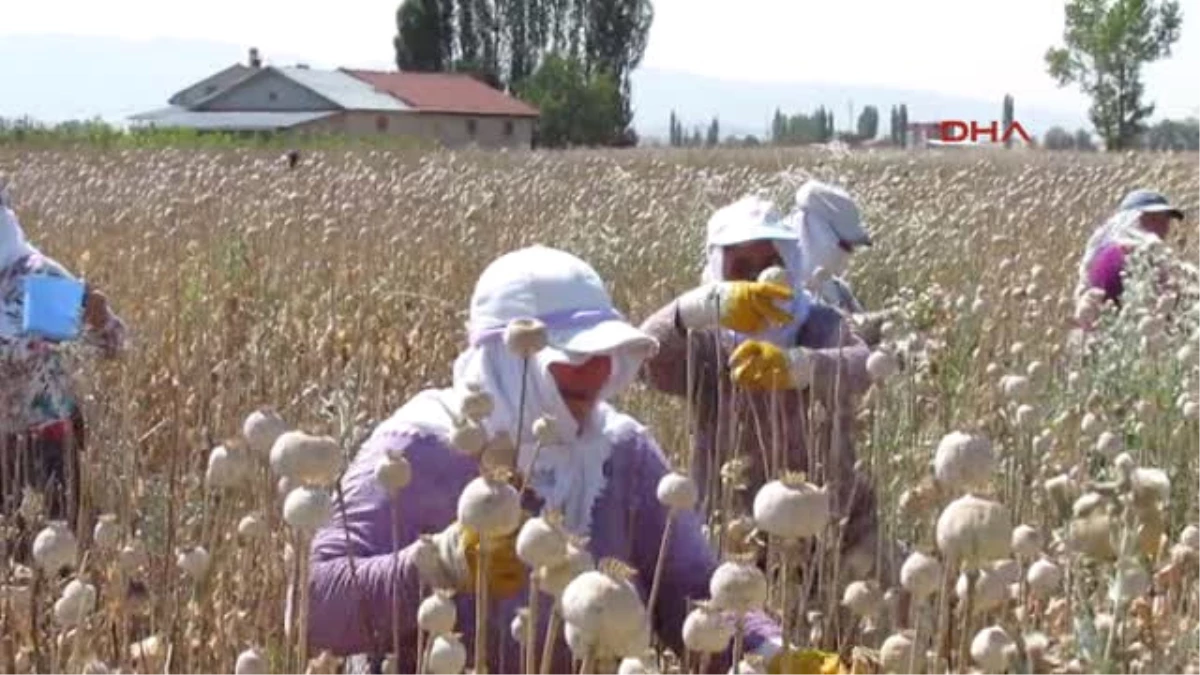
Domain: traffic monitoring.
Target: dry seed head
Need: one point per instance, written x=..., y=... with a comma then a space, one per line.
x=251, y=662
x=1190, y=537
x=1015, y=387
x=896, y=653
x=525, y=337
x=77, y=601
x=964, y=461
x=1044, y=578
x=555, y=578
x=469, y=438
x=605, y=607
x=193, y=561
x=1026, y=416
x=477, y=406
x=775, y=275
x=1092, y=534
x=1026, y=541
x=1090, y=424
x=307, y=508
x=1151, y=487
x=862, y=598
x=393, y=473
x=437, y=614
x=706, y=630
x=637, y=665
x=545, y=430
x=500, y=452
x=55, y=547
x=447, y=655
x=738, y=586
x=1131, y=582
x=226, y=468
x=973, y=530
x=489, y=506
x=107, y=533
x=791, y=508
x=251, y=527
x=1108, y=444
x=990, y=591
x=541, y=542
x=677, y=492
x=261, y=429
x=990, y=649
x=133, y=555
x=306, y=459
x=920, y=574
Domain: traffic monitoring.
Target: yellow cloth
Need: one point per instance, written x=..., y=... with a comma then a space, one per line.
x=761, y=366
x=805, y=661
x=749, y=306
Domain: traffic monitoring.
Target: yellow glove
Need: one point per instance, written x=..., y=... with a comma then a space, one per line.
x=506, y=574
x=762, y=366
x=458, y=562
x=805, y=661
x=742, y=306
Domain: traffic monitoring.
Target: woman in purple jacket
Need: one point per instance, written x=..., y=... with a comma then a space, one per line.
x=600, y=471
x=1143, y=217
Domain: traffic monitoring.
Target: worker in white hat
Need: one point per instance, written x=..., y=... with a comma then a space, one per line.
x=831, y=231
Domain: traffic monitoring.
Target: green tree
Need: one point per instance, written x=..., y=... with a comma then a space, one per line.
x=419, y=41
x=1177, y=135
x=1106, y=44
x=1058, y=138
x=1007, y=118
x=714, y=134
x=616, y=34
x=673, y=132
x=868, y=123
x=577, y=108
x=902, y=125
x=1083, y=141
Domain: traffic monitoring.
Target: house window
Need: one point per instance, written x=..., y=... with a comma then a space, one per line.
x=272, y=96
x=508, y=127
x=381, y=123
x=471, y=128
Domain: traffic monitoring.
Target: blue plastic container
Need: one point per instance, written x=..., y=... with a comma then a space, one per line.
x=53, y=307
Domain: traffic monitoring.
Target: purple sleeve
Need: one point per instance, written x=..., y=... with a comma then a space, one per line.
x=690, y=561
x=363, y=560
x=667, y=370
x=1105, y=271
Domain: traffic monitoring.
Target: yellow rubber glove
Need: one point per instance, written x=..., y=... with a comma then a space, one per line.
x=762, y=366
x=805, y=661
x=742, y=306
x=506, y=574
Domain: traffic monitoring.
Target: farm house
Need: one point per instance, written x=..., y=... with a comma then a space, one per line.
x=452, y=109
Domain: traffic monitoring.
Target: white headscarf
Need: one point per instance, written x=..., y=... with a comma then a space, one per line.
x=749, y=219
x=569, y=297
x=1124, y=227
x=13, y=246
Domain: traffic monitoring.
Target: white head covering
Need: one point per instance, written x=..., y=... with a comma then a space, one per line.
x=13, y=245
x=826, y=216
x=1124, y=227
x=754, y=218
x=568, y=296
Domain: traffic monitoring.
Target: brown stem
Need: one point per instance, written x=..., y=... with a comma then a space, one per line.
x=481, y=607
x=531, y=625
x=658, y=566
x=551, y=636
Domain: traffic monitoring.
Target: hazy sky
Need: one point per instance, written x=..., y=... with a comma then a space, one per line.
x=920, y=44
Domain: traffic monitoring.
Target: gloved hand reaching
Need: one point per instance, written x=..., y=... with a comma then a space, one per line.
x=742, y=306
x=762, y=366
x=458, y=555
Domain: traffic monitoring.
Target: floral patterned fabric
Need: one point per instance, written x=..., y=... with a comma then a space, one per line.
x=36, y=389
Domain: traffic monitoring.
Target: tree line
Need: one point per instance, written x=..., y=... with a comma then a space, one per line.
x=571, y=58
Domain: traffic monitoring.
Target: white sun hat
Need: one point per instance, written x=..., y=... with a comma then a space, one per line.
x=561, y=291
x=751, y=218
x=836, y=207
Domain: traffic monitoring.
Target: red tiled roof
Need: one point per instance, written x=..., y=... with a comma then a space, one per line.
x=453, y=93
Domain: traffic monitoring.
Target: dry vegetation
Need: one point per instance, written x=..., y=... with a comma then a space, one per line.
x=336, y=291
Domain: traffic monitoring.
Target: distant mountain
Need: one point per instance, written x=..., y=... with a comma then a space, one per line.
x=59, y=77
